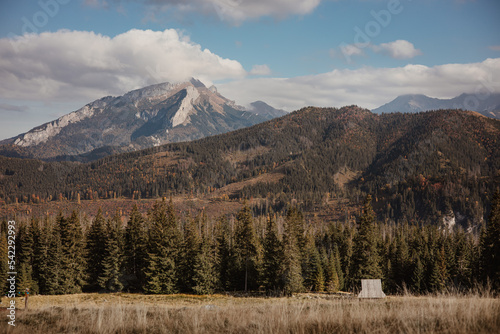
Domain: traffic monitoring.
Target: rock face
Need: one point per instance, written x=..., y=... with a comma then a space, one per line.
x=488, y=105
x=142, y=118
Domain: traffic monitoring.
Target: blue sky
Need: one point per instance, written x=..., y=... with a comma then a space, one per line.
x=289, y=53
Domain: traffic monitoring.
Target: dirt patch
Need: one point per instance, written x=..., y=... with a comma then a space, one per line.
x=344, y=176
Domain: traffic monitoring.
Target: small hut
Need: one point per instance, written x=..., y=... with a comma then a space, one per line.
x=371, y=288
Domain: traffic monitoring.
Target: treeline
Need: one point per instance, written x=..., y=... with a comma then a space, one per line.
x=163, y=254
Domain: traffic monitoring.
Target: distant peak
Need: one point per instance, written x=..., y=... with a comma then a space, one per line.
x=197, y=83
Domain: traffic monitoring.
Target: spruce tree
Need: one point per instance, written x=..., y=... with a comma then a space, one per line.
x=163, y=244
x=417, y=277
x=110, y=277
x=225, y=255
x=24, y=263
x=190, y=250
x=72, y=250
x=490, y=245
x=135, y=250
x=247, y=250
x=332, y=277
x=273, y=256
x=291, y=265
x=365, y=259
x=205, y=273
x=312, y=267
x=439, y=274
x=52, y=276
x=95, y=250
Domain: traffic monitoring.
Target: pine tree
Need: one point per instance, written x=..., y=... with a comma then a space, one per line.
x=439, y=274
x=332, y=277
x=163, y=243
x=205, y=273
x=291, y=266
x=110, y=277
x=225, y=257
x=490, y=245
x=417, y=277
x=190, y=250
x=24, y=263
x=95, y=250
x=312, y=267
x=135, y=250
x=42, y=256
x=72, y=250
x=365, y=260
x=273, y=255
x=52, y=276
x=247, y=249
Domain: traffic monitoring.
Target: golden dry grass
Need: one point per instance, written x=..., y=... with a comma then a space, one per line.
x=127, y=313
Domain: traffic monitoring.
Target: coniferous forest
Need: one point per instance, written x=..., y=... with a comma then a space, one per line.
x=162, y=253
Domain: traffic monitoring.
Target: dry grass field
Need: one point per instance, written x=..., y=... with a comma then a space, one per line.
x=129, y=313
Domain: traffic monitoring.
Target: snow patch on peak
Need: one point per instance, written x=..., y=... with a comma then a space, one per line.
x=186, y=107
x=43, y=133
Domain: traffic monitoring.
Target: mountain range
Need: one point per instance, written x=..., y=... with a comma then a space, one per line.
x=142, y=118
x=486, y=104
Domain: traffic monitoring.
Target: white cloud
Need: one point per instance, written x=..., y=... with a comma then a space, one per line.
x=367, y=87
x=399, y=49
x=260, y=70
x=66, y=65
x=232, y=11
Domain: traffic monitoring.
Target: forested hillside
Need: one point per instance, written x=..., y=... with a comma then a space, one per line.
x=425, y=167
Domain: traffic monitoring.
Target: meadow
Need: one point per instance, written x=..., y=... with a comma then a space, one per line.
x=302, y=313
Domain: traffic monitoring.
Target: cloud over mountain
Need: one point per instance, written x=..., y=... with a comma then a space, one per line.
x=369, y=87
x=71, y=64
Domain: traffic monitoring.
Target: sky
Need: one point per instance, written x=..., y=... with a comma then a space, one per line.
x=58, y=55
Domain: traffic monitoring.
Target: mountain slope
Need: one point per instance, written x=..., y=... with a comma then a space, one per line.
x=421, y=167
x=488, y=106
x=142, y=118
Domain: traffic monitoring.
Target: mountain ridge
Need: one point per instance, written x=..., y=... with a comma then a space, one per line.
x=420, y=167
x=488, y=105
x=141, y=118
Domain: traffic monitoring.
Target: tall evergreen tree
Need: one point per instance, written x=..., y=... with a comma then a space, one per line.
x=95, y=250
x=225, y=256
x=273, y=256
x=490, y=245
x=72, y=250
x=135, y=250
x=163, y=243
x=312, y=268
x=205, y=272
x=247, y=250
x=52, y=276
x=190, y=250
x=439, y=274
x=365, y=259
x=110, y=277
x=291, y=265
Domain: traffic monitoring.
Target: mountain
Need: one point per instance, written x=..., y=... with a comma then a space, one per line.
x=488, y=106
x=142, y=118
x=420, y=167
